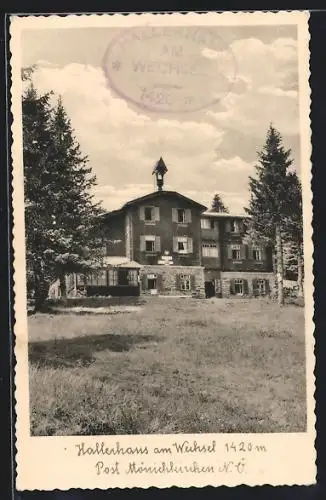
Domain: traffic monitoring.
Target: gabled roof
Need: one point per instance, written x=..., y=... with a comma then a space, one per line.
x=159, y=194
x=152, y=196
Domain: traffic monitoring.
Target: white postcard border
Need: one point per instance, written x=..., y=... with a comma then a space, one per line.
x=47, y=463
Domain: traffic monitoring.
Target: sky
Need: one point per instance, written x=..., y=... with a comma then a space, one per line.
x=213, y=149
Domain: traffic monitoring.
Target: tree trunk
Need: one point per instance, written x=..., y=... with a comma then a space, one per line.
x=274, y=261
x=63, y=287
x=41, y=291
x=300, y=272
x=279, y=265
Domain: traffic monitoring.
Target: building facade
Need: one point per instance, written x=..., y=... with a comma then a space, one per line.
x=165, y=243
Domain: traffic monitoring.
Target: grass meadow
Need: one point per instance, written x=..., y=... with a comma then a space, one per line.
x=170, y=366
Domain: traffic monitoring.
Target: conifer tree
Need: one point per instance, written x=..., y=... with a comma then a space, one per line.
x=293, y=228
x=36, y=113
x=269, y=204
x=218, y=205
x=74, y=211
x=61, y=229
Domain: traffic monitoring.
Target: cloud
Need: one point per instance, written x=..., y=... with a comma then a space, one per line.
x=211, y=151
x=266, y=69
x=123, y=144
x=275, y=91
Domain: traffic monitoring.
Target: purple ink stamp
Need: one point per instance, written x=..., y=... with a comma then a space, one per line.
x=170, y=69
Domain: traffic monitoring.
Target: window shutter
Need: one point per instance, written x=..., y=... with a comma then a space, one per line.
x=174, y=215
x=249, y=251
x=177, y=281
x=188, y=215
x=142, y=244
x=192, y=282
x=156, y=214
x=243, y=252
x=157, y=243
x=190, y=245
x=142, y=213
x=229, y=252
x=267, y=287
x=245, y=287
x=232, y=287
x=228, y=226
x=263, y=252
x=175, y=244
x=255, y=287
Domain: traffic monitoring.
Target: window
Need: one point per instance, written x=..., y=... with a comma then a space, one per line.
x=204, y=223
x=235, y=252
x=207, y=224
x=112, y=277
x=238, y=287
x=181, y=215
x=98, y=279
x=80, y=279
x=132, y=277
x=261, y=287
x=185, y=282
x=256, y=253
x=149, y=245
x=234, y=226
x=149, y=213
x=182, y=245
x=210, y=250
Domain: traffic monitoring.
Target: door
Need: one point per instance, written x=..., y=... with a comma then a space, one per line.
x=209, y=289
x=152, y=283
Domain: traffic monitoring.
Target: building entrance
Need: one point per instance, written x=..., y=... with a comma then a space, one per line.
x=209, y=289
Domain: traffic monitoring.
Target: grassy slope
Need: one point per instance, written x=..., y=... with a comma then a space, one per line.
x=176, y=366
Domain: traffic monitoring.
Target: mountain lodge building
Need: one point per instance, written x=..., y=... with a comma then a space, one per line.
x=167, y=244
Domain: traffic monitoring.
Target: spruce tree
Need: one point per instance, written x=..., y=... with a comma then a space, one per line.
x=218, y=205
x=74, y=212
x=269, y=203
x=36, y=112
x=61, y=216
x=293, y=228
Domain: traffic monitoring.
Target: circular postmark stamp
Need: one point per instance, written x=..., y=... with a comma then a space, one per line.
x=170, y=69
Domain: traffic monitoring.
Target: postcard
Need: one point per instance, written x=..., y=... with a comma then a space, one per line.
x=163, y=250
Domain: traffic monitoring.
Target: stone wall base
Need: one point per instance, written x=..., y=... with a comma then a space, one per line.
x=248, y=283
x=168, y=280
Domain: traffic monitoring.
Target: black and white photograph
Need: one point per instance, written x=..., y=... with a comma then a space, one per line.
x=164, y=179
